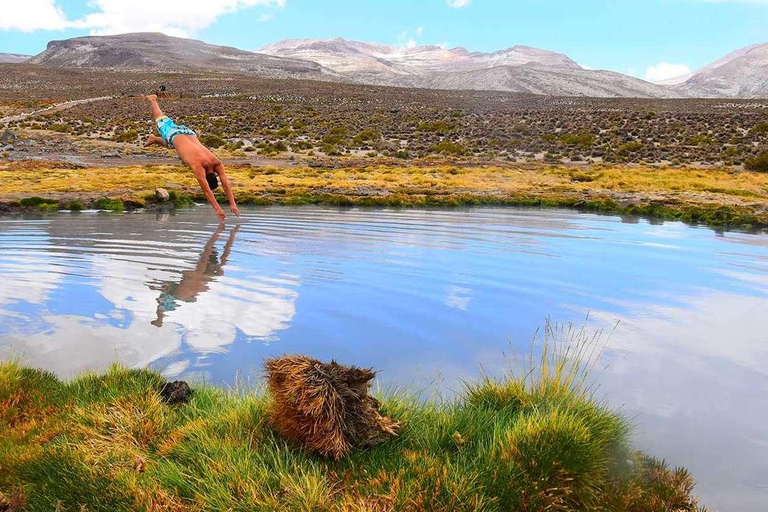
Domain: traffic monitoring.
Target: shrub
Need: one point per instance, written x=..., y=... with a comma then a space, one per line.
x=75, y=205
x=758, y=163
x=402, y=153
x=436, y=126
x=37, y=201
x=331, y=150
x=760, y=128
x=213, y=141
x=450, y=148
x=366, y=135
x=61, y=128
x=335, y=136
x=234, y=146
x=700, y=140
x=105, y=203
x=126, y=136
x=584, y=140
x=629, y=147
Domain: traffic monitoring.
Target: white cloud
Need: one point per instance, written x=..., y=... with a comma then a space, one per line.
x=459, y=4
x=420, y=31
x=31, y=15
x=663, y=71
x=173, y=17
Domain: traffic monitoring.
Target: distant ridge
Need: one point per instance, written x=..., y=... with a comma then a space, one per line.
x=158, y=51
x=515, y=69
x=740, y=74
x=13, y=58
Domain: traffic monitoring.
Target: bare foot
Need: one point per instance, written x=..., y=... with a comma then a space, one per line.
x=151, y=98
x=153, y=139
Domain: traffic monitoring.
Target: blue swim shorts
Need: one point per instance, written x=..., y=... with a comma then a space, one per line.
x=168, y=130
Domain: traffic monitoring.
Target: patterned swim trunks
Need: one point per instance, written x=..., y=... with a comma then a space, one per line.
x=168, y=130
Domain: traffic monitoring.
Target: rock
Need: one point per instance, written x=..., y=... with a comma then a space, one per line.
x=8, y=137
x=162, y=195
x=113, y=154
x=176, y=392
x=9, y=147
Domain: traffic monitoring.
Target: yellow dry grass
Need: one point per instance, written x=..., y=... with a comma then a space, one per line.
x=17, y=179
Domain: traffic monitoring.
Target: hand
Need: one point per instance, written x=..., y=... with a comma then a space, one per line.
x=221, y=215
x=234, y=209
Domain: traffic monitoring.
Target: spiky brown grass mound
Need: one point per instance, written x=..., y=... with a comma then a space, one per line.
x=325, y=407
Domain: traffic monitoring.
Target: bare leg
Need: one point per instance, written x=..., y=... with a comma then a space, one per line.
x=156, y=112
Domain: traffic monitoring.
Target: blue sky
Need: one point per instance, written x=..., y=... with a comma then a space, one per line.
x=629, y=36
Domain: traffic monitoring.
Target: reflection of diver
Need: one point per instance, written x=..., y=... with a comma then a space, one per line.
x=194, y=282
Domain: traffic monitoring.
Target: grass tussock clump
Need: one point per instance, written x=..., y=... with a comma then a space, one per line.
x=325, y=407
x=534, y=439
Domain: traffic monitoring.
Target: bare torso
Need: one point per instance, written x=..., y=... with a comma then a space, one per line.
x=193, y=153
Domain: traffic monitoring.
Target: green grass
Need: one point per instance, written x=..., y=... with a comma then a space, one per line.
x=534, y=439
x=105, y=203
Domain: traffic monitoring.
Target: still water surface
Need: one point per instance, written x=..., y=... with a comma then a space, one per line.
x=425, y=297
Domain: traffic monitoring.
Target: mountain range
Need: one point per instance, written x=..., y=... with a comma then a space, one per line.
x=740, y=74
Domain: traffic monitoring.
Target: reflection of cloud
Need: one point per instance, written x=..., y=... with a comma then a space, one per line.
x=694, y=379
x=257, y=308
x=74, y=343
x=719, y=325
x=27, y=276
x=458, y=297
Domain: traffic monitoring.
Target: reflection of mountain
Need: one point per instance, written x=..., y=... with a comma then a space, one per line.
x=129, y=262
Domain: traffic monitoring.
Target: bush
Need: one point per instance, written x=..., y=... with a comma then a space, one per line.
x=75, y=205
x=61, y=128
x=760, y=128
x=335, y=136
x=700, y=140
x=105, y=203
x=629, y=147
x=38, y=201
x=449, y=148
x=331, y=150
x=585, y=140
x=437, y=126
x=366, y=135
x=126, y=136
x=212, y=141
x=758, y=163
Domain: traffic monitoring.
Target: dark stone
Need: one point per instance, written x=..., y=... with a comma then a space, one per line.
x=8, y=137
x=176, y=392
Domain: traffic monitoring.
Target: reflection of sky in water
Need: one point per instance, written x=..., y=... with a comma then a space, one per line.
x=419, y=295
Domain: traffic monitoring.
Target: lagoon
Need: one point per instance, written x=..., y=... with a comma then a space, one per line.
x=426, y=297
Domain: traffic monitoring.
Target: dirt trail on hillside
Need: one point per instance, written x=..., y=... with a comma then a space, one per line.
x=53, y=108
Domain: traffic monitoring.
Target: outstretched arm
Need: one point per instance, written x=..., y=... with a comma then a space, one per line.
x=227, y=188
x=199, y=171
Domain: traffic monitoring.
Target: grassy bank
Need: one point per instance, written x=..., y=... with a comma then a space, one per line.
x=715, y=197
x=536, y=440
